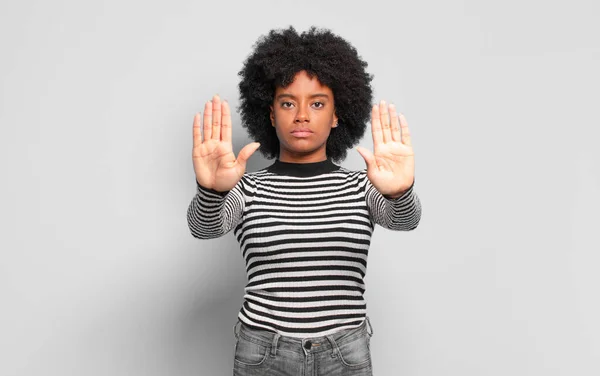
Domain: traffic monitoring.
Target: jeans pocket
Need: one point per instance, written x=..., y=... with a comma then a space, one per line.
x=249, y=353
x=355, y=354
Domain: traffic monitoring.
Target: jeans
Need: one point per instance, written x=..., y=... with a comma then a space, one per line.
x=262, y=352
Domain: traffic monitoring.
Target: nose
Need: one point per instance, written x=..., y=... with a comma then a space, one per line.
x=302, y=115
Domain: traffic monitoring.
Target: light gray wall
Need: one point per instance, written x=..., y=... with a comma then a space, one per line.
x=99, y=274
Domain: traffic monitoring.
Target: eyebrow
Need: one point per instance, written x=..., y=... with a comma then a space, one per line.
x=286, y=95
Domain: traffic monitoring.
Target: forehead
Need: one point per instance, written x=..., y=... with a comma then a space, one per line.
x=304, y=85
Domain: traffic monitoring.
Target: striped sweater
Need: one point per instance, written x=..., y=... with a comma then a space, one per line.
x=304, y=231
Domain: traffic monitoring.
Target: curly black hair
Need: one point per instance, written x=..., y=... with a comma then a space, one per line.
x=276, y=59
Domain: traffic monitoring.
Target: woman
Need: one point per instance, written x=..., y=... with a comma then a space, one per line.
x=304, y=224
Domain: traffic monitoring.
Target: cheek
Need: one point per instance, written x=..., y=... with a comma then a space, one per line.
x=281, y=117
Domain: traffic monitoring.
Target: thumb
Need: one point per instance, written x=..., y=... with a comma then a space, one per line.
x=368, y=157
x=246, y=152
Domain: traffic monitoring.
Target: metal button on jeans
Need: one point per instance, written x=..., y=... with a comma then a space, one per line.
x=307, y=345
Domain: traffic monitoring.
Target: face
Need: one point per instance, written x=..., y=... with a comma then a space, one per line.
x=303, y=114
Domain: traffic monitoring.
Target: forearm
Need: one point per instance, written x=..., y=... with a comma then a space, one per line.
x=212, y=214
x=401, y=213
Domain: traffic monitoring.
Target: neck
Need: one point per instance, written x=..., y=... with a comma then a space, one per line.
x=287, y=157
x=302, y=160
x=303, y=169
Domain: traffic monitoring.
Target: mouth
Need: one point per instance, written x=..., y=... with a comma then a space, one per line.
x=301, y=133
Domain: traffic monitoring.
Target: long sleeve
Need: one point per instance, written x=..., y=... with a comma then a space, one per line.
x=212, y=214
x=400, y=214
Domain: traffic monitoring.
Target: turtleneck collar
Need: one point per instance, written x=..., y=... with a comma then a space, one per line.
x=302, y=169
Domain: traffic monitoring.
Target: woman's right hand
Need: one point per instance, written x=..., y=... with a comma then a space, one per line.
x=215, y=164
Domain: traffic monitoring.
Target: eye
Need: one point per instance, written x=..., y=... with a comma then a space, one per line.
x=284, y=103
x=321, y=104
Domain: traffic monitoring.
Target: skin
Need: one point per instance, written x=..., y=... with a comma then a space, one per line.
x=390, y=167
x=215, y=165
x=308, y=104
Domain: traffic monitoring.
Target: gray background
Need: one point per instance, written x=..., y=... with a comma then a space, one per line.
x=99, y=274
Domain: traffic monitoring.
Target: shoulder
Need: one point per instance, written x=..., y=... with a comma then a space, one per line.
x=359, y=175
x=257, y=175
x=250, y=180
x=349, y=172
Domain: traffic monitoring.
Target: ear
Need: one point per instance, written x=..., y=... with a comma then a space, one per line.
x=272, y=116
x=335, y=121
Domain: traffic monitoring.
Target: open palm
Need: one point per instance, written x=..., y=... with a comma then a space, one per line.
x=391, y=167
x=215, y=165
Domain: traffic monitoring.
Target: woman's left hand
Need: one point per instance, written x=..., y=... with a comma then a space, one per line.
x=391, y=168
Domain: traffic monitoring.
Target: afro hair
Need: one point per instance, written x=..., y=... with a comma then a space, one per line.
x=276, y=59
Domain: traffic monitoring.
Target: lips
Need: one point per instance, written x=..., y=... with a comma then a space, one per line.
x=301, y=130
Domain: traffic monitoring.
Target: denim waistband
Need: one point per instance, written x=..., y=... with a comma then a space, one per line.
x=306, y=345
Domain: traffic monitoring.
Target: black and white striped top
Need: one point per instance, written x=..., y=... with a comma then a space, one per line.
x=304, y=231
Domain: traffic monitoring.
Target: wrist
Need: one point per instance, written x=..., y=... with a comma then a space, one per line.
x=211, y=190
x=401, y=193
x=393, y=197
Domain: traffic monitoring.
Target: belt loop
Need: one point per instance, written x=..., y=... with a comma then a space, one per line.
x=371, y=327
x=235, y=332
x=274, y=345
x=333, y=345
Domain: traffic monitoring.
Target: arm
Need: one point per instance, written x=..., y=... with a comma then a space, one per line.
x=390, y=173
x=219, y=202
x=212, y=214
x=400, y=214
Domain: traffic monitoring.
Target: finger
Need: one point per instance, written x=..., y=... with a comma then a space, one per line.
x=197, y=131
x=207, y=122
x=385, y=121
x=246, y=152
x=404, y=130
x=216, y=118
x=395, y=123
x=376, y=126
x=368, y=157
x=226, y=122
